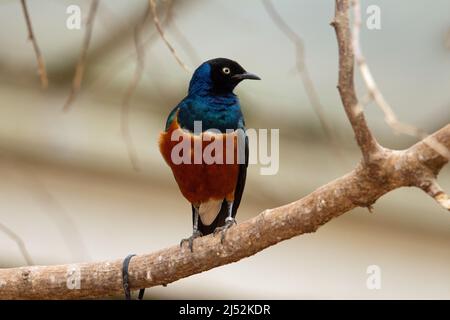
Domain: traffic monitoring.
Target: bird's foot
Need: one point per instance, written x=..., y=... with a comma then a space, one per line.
x=190, y=240
x=229, y=222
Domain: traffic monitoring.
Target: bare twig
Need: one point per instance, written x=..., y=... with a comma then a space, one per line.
x=20, y=244
x=447, y=39
x=79, y=71
x=434, y=190
x=163, y=37
x=99, y=279
x=375, y=93
x=303, y=71
x=349, y=49
x=139, y=69
x=40, y=59
x=140, y=65
x=112, y=71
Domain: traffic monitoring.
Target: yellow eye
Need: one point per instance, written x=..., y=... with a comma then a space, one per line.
x=226, y=70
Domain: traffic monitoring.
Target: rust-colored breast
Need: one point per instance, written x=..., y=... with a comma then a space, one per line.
x=201, y=182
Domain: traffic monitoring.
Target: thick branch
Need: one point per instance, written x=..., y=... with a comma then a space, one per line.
x=366, y=141
x=357, y=188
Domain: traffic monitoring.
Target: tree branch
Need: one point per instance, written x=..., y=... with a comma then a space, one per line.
x=380, y=171
x=435, y=191
x=40, y=60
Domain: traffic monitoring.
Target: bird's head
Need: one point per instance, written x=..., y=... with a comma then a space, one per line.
x=219, y=76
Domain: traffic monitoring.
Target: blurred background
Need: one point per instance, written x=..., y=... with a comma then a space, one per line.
x=69, y=191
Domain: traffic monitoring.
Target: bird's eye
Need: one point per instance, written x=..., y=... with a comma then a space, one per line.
x=226, y=70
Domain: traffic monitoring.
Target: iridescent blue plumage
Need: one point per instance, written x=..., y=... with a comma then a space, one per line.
x=216, y=110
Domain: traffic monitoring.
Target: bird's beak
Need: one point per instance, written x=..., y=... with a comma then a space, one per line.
x=246, y=75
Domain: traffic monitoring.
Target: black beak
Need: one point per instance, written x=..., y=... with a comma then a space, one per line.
x=246, y=75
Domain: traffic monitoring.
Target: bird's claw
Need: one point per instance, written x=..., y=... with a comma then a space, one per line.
x=229, y=222
x=190, y=240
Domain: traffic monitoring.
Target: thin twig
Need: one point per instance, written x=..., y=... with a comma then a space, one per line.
x=125, y=110
x=110, y=19
x=40, y=59
x=106, y=77
x=79, y=71
x=447, y=39
x=377, y=96
x=191, y=51
x=360, y=187
x=53, y=208
x=20, y=243
x=303, y=71
x=306, y=215
x=163, y=37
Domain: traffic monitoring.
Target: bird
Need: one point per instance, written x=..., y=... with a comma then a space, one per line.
x=214, y=190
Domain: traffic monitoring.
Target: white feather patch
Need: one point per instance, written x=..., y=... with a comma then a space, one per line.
x=209, y=210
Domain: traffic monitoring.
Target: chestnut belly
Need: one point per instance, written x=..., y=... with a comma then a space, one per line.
x=200, y=182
